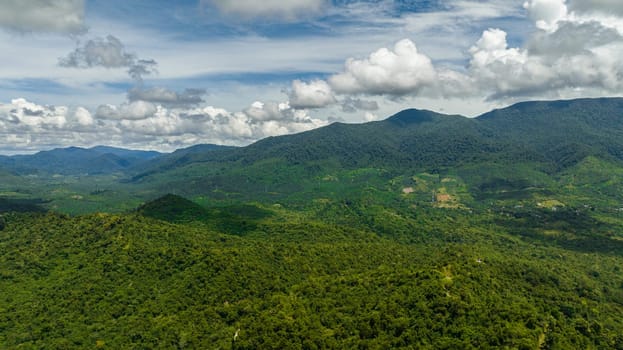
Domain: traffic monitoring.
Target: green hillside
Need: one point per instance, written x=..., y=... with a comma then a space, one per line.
x=440, y=280
x=76, y=160
x=526, y=131
x=422, y=231
x=524, y=151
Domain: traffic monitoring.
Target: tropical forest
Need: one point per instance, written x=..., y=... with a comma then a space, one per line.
x=419, y=231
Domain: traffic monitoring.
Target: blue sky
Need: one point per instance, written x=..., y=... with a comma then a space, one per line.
x=169, y=74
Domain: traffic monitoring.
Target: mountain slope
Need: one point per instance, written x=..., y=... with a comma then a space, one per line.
x=421, y=231
x=533, y=131
x=76, y=160
x=462, y=281
x=563, y=132
x=522, y=146
x=178, y=158
x=524, y=152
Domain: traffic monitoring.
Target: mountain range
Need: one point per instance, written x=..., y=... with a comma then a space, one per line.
x=553, y=133
x=76, y=160
x=546, y=132
x=423, y=230
x=506, y=149
x=522, y=147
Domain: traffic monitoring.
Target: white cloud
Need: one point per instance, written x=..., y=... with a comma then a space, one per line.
x=504, y=72
x=315, y=94
x=159, y=123
x=83, y=116
x=188, y=97
x=64, y=16
x=138, y=110
x=134, y=110
x=285, y=10
x=370, y=117
x=546, y=13
x=108, y=53
x=261, y=111
x=400, y=71
x=352, y=105
x=566, y=54
x=572, y=38
x=608, y=7
x=21, y=114
x=272, y=119
x=573, y=50
x=491, y=58
x=217, y=125
x=27, y=126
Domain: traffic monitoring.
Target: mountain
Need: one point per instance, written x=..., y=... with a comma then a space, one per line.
x=534, y=131
x=173, y=208
x=424, y=231
x=443, y=279
x=126, y=153
x=76, y=160
x=180, y=157
x=523, y=151
x=562, y=132
x=232, y=219
x=507, y=149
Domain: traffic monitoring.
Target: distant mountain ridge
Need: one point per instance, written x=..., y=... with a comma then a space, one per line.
x=77, y=160
x=554, y=133
x=528, y=150
x=544, y=138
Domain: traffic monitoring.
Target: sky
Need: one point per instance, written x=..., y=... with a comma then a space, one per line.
x=163, y=75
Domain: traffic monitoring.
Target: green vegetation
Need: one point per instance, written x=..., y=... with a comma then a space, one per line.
x=437, y=278
x=422, y=231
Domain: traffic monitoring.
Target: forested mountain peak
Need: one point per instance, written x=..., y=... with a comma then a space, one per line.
x=415, y=116
x=559, y=110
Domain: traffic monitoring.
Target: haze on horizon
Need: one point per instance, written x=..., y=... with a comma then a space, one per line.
x=161, y=75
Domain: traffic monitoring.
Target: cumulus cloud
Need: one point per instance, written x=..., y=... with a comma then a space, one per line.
x=352, y=105
x=546, y=13
x=572, y=38
x=25, y=125
x=261, y=111
x=276, y=9
x=400, y=71
x=491, y=58
x=601, y=6
x=315, y=94
x=395, y=73
x=370, y=117
x=164, y=96
x=83, y=116
x=34, y=125
x=512, y=72
x=24, y=115
x=134, y=110
x=63, y=16
x=570, y=51
x=108, y=52
x=217, y=125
